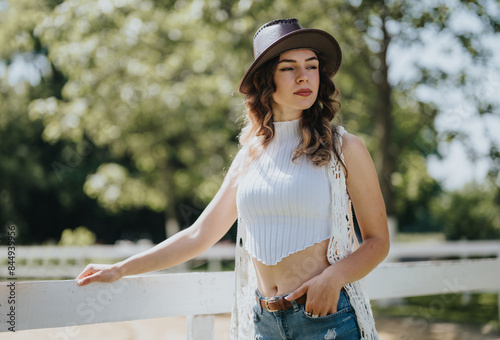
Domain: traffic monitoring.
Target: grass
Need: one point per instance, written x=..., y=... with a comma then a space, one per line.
x=478, y=308
x=420, y=237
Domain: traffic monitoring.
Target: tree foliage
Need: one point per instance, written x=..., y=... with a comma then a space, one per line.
x=147, y=83
x=470, y=213
x=135, y=101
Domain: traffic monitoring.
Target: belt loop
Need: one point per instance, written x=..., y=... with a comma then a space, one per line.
x=259, y=303
x=295, y=306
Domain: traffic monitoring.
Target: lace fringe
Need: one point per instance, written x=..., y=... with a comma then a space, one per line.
x=246, y=283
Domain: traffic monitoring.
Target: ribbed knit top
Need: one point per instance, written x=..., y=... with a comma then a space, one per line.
x=285, y=205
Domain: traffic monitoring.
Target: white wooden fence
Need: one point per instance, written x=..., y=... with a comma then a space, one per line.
x=49, y=304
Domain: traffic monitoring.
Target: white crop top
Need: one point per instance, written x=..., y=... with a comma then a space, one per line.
x=285, y=205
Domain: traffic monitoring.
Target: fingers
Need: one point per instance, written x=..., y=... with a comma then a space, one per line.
x=86, y=280
x=297, y=293
x=321, y=303
x=89, y=270
x=321, y=300
x=96, y=273
x=321, y=308
x=313, y=308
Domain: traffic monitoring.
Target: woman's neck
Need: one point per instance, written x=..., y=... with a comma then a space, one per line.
x=286, y=118
x=280, y=115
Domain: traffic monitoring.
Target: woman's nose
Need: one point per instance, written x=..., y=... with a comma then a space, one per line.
x=302, y=77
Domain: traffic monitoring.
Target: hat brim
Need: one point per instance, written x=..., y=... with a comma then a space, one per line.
x=308, y=38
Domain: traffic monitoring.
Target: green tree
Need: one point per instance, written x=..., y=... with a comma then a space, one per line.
x=469, y=213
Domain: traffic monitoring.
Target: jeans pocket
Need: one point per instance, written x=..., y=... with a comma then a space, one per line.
x=340, y=314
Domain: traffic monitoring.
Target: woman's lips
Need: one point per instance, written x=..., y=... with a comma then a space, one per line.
x=303, y=92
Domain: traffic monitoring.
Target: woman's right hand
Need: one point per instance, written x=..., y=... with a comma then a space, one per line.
x=98, y=273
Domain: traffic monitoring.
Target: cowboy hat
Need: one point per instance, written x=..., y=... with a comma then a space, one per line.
x=283, y=35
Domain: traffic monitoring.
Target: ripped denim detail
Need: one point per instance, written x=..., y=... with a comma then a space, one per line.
x=331, y=334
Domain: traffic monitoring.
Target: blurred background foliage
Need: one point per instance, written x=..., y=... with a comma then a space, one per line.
x=122, y=115
x=80, y=236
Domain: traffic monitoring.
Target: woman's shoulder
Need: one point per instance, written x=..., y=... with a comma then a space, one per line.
x=353, y=148
x=348, y=140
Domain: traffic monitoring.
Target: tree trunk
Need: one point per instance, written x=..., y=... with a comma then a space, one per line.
x=384, y=160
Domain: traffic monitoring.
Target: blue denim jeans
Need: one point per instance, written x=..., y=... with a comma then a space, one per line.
x=294, y=324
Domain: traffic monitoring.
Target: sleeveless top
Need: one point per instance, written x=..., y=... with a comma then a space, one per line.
x=285, y=205
x=343, y=242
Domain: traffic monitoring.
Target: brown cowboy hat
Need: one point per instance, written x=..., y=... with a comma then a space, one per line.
x=282, y=35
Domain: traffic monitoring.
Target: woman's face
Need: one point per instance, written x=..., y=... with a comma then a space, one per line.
x=297, y=83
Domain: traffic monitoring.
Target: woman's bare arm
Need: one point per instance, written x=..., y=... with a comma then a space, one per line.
x=366, y=197
x=209, y=228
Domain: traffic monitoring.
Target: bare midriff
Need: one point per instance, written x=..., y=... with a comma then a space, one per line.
x=292, y=271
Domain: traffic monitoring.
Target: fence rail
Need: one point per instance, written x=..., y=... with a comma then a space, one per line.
x=52, y=262
x=49, y=304
x=461, y=249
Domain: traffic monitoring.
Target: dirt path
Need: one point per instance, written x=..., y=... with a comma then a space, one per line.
x=419, y=329
x=174, y=328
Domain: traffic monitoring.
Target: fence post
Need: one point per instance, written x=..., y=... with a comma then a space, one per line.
x=214, y=265
x=200, y=327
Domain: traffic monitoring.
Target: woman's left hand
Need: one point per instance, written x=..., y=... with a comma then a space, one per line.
x=323, y=292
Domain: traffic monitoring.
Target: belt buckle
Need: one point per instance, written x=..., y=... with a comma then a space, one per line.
x=272, y=300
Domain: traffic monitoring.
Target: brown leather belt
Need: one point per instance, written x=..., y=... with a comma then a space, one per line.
x=279, y=303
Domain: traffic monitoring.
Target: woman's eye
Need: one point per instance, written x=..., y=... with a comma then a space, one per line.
x=312, y=67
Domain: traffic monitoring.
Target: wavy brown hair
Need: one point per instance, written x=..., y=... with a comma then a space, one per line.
x=319, y=136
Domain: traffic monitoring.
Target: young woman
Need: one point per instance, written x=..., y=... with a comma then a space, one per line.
x=298, y=262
